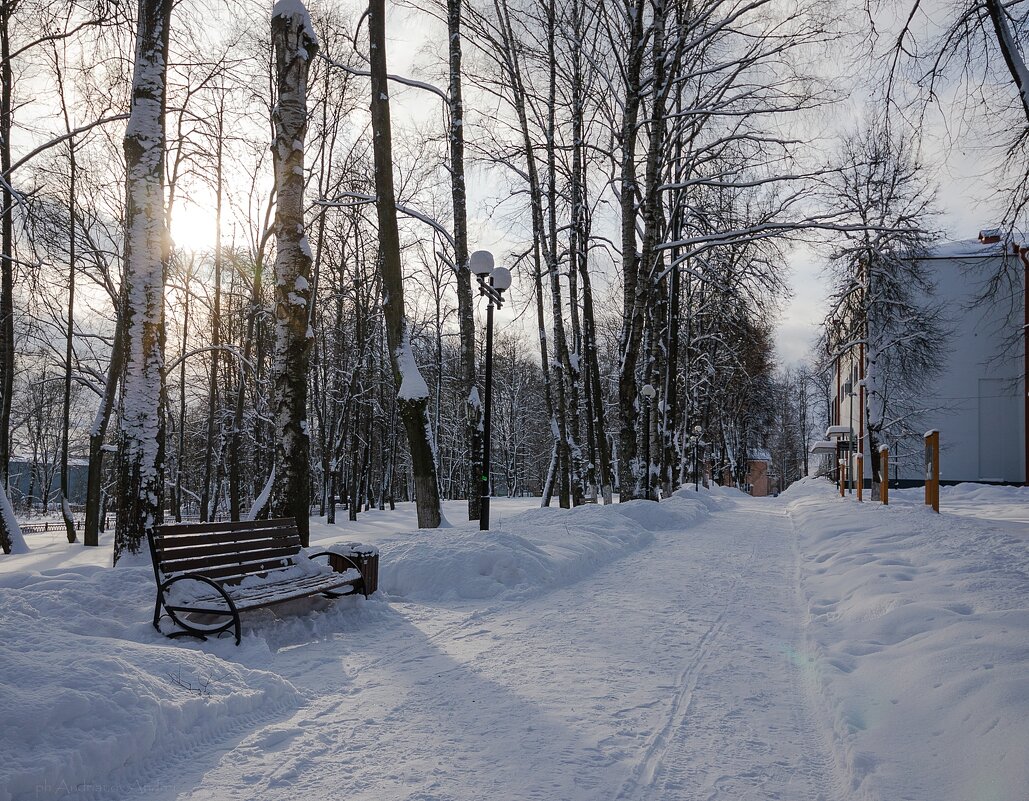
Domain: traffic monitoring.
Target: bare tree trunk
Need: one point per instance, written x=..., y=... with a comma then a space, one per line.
x=146, y=241
x=413, y=394
x=465, y=311
x=295, y=45
x=633, y=291
x=511, y=49
x=95, y=474
x=69, y=522
x=183, y=348
x=212, y=448
x=7, y=536
x=1009, y=49
x=570, y=491
x=252, y=331
x=670, y=395
x=578, y=250
x=646, y=291
x=591, y=358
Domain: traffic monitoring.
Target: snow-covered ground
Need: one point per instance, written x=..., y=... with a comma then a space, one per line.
x=713, y=646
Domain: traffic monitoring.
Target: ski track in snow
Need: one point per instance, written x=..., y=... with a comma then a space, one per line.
x=690, y=687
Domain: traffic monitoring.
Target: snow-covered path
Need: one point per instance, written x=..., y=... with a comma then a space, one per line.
x=713, y=646
x=669, y=674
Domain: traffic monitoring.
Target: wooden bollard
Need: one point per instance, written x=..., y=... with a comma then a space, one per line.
x=932, y=469
x=884, y=464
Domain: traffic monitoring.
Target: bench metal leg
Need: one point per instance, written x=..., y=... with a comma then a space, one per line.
x=191, y=630
x=157, y=612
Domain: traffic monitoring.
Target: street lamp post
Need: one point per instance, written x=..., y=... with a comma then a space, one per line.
x=697, y=431
x=649, y=393
x=492, y=283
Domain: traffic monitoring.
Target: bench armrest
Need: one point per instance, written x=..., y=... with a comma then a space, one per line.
x=333, y=555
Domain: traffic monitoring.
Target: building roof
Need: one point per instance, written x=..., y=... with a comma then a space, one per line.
x=992, y=242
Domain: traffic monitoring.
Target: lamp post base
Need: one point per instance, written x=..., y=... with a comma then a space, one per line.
x=484, y=513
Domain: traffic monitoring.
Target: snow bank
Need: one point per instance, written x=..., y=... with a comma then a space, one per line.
x=92, y=699
x=536, y=550
x=918, y=629
x=991, y=501
x=95, y=703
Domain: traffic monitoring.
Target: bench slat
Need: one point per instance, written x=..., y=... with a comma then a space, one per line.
x=291, y=592
x=275, y=592
x=202, y=564
x=173, y=529
x=163, y=543
x=233, y=574
x=170, y=555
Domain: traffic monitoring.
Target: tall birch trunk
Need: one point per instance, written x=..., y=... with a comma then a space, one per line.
x=465, y=311
x=141, y=453
x=180, y=450
x=647, y=297
x=69, y=523
x=1009, y=49
x=9, y=531
x=570, y=491
x=295, y=45
x=413, y=393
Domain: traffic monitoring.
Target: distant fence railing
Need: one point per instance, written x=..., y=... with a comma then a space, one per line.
x=52, y=525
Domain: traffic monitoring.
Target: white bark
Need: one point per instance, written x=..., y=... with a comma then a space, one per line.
x=146, y=239
x=17, y=543
x=295, y=46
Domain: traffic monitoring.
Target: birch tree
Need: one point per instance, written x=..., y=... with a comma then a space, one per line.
x=295, y=45
x=141, y=447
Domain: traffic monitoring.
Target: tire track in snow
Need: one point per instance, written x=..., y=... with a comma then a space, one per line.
x=655, y=751
x=680, y=705
x=741, y=726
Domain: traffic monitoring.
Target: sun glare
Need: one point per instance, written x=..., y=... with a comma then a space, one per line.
x=193, y=228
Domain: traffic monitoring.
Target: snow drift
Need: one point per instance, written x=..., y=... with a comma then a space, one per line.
x=918, y=628
x=537, y=550
x=89, y=697
x=93, y=701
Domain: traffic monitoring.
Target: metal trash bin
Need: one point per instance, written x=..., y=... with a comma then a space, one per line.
x=367, y=559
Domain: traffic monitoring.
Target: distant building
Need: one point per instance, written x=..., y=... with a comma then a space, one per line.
x=29, y=477
x=978, y=401
x=759, y=482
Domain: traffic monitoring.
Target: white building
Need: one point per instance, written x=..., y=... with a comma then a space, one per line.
x=978, y=401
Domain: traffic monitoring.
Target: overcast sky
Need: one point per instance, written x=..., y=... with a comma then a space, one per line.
x=966, y=198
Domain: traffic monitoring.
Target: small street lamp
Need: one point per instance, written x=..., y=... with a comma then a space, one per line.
x=492, y=283
x=697, y=431
x=649, y=393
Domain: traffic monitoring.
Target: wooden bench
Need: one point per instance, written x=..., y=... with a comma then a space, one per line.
x=222, y=569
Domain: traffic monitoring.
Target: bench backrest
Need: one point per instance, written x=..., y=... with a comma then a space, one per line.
x=224, y=552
